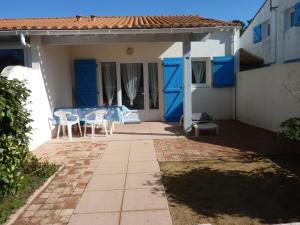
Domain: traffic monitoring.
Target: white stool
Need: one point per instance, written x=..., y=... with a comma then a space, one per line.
x=205, y=126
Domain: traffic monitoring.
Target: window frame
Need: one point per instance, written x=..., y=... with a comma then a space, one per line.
x=266, y=30
x=289, y=16
x=292, y=18
x=208, y=70
x=16, y=46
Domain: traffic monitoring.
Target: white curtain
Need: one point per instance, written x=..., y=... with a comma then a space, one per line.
x=109, y=77
x=153, y=83
x=131, y=75
x=198, y=70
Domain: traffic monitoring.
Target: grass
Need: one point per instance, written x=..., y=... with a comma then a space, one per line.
x=35, y=174
x=258, y=191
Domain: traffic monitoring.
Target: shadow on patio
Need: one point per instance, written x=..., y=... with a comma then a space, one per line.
x=236, y=140
x=245, y=137
x=233, y=192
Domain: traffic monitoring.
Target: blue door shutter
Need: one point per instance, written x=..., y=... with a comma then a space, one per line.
x=257, y=34
x=86, y=83
x=223, y=71
x=297, y=15
x=173, y=92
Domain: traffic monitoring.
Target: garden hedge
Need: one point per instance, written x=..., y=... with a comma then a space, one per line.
x=14, y=129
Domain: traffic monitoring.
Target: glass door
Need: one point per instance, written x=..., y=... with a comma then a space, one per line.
x=135, y=85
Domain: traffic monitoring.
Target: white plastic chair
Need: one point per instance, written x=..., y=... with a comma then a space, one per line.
x=63, y=121
x=97, y=121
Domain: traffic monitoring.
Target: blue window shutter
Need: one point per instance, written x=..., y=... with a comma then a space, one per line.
x=297, y=15
x=173, y=91
x=223, y=71
x=86, y=83
x=257, y=34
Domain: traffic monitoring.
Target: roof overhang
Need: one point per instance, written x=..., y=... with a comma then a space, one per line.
x=116, y=31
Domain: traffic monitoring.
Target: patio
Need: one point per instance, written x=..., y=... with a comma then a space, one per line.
x=117, y=180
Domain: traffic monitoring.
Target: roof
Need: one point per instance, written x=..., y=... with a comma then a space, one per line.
x=111, y=22
x=251, y=21
x=249, y=60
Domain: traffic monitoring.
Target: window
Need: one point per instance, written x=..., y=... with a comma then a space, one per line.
x=266, y=29
x=153, y=85
x=257, y=33
x=11, y=57
x=269, y=29
x=289, y=16
x=199, y=75
x=109, y=83
x=132, y=84
x=292, y=19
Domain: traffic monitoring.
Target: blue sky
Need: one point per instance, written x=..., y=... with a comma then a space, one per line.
x=219, y=9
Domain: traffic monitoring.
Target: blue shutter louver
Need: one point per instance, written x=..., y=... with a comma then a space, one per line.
x=173, y=91
x=86, y=83
x=257, y=34
x=223, y=71
x=297, y=15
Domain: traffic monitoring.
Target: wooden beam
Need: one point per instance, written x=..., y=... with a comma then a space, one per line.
x=119, y=38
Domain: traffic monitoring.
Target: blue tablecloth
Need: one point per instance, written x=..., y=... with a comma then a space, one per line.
x=114, y=113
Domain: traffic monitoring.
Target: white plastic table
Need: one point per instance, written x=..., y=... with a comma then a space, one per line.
x=205, y=126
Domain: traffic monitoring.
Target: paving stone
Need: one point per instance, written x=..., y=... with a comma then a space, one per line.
x=143, y=167
x=100, y=201
x=161, y=217
x=115, y=157
x=106, y=182
x=144, y=199
x=144, y=180
x=142, y=156
x=111, y=168
x=95, y=219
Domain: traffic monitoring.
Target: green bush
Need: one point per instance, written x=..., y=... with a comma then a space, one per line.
x=35, y=173
x=14, y=130
x=290, y=129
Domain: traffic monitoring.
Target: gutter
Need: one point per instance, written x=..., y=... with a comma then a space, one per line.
x=117, y=31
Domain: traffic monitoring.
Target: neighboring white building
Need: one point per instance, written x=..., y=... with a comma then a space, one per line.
x=274, y=33
x=188, y=61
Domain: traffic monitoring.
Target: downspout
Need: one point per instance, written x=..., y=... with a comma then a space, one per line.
x=274, y=8
x=23, y=41
x=27, y=51
x=235, y=72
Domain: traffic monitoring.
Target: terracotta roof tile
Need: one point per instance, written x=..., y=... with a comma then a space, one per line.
x=113, y=22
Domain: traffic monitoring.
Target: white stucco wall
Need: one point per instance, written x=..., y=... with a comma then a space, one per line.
x=50, y=86
x=267, y=96
x=217, y=102
x=285, y=40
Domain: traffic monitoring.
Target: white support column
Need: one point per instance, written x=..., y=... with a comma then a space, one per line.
x=35, y=52
x=235, y=53
x=187, y=83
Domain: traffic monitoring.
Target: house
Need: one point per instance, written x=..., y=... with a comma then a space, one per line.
x=274, y=33
x=160, y=66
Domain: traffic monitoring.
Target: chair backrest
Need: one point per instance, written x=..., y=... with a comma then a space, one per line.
x=99, y=114
x=62, y=115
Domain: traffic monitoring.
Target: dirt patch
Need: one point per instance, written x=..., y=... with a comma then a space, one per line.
x=256, y=191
